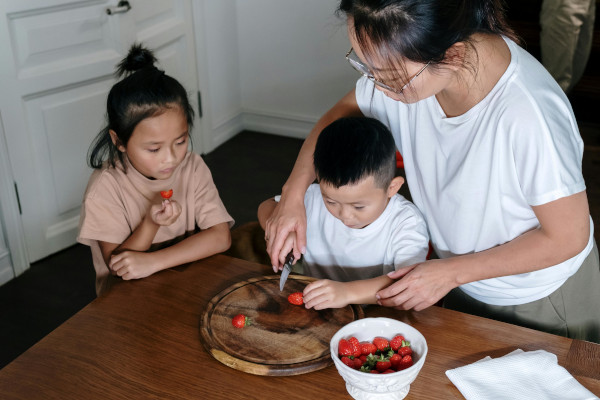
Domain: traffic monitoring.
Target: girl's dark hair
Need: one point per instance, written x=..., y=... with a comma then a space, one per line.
x=351, y=149
x=421, y=30
x=145, y=91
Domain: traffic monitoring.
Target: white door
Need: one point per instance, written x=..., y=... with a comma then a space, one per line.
x=56, y=68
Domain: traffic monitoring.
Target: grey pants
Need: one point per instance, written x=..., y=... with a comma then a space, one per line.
x=573, y=310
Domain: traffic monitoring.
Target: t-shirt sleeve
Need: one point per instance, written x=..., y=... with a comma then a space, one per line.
x=410, y=240
x=103, y=216
x=210, y=210
x=548, y=152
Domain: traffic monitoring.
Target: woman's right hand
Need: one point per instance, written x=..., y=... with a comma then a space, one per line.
x=288, y=217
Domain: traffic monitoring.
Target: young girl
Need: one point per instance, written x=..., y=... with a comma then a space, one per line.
x=492, y=156
x=132, y=230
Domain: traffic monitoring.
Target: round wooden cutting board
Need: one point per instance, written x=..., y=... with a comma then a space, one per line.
x=283, y=339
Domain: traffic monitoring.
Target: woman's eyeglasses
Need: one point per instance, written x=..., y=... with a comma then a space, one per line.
x=360, y=67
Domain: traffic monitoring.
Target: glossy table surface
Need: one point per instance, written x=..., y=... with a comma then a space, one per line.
x=142, y=340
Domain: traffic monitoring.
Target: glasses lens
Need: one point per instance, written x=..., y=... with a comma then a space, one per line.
x=357, y=65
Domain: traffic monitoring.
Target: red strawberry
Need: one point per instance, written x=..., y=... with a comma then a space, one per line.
x=383, y=363
x=396, y=342
x=388, y=371
x=357, y=363
x=296, y=298
x=355, y=346
x=349, y=362
x=405, y=363
x=166, y=194
x=345, y=348
x=395, y=361
x=381, y=343
x=405, y=350
x=240, y=321
x=363, y=358
x=374, y=371
x=367, y=348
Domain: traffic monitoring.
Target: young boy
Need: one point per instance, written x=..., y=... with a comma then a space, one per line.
x=358, y=227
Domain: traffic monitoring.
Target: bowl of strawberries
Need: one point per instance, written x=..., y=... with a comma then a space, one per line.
x=378, y=357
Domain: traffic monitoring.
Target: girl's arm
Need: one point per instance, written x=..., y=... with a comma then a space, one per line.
x=326, y=293
x=289, y=214
x=135, y=264
x=563, y=233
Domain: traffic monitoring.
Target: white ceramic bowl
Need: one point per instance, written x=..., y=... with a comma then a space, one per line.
x=393, y=386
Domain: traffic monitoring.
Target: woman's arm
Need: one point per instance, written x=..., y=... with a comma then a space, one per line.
x=289, y=214
x=563, y=233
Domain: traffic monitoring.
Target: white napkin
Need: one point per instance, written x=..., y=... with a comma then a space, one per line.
x=520, y=374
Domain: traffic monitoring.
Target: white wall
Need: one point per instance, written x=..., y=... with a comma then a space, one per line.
x=271, y=66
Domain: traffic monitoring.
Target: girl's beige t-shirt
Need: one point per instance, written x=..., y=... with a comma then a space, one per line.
x=117, y=199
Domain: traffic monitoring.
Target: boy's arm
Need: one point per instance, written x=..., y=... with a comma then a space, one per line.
x=265, y=210
x=135, y=264
x=326, y=293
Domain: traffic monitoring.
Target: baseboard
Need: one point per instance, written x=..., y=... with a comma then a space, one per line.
x=289, y=125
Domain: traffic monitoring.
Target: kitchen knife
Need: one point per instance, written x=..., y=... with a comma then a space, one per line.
x=287, y=268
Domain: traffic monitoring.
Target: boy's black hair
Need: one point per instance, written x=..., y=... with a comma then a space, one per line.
x=144, y=92
x=350, y=149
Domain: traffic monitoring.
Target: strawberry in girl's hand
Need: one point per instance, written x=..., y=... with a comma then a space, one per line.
x=166, y=194
x=296, y=298
x=240, y=321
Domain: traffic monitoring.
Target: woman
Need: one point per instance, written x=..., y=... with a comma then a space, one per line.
x=492, y=157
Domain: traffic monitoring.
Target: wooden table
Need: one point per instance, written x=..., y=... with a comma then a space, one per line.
x=141, y=340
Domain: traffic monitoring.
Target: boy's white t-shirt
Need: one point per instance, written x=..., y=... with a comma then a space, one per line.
x=475, y=177
x=397, y=238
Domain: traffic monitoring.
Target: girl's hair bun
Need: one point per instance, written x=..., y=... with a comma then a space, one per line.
x=138, y=57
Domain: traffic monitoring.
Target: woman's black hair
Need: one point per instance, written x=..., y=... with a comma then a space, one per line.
x=145, y=91
x=351, y=149
x=421, y=30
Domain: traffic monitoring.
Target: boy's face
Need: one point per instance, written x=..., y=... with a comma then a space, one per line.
x=360, y=204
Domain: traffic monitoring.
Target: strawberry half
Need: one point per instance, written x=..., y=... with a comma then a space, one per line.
x=296, y=298
x=240, y=321
x=166, y=194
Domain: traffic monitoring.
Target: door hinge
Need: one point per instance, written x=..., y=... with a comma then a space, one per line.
x=199, y=105
x=18, y=199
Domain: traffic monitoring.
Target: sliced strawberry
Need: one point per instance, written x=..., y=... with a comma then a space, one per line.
x=381, y=343
x=367, y=348
x=345, y=348
x=355, y=346
x=166, y=194
x=240, y=321
x=296, y=298
x=396, y=342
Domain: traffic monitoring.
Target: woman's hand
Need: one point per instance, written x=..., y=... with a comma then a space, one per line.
x=325, y=293
x=418, y=286
x=132, y=265
x=165, y=213
x=288, y=218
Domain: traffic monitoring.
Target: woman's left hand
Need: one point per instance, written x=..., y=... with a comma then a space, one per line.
x=418, y=286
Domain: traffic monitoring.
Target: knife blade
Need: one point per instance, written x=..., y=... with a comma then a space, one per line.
x=287, y=268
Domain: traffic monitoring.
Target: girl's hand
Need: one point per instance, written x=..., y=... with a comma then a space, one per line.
x=325, y=293
x=289, y=217
x=418, y=286
x=132, y=265
x=165, y=213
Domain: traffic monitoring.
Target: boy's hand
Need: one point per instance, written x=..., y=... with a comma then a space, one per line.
x=288, y=245
x=165, y=213
x=326, y=294
x=132, y=265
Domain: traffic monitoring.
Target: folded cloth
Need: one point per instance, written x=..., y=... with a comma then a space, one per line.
x=518, y=375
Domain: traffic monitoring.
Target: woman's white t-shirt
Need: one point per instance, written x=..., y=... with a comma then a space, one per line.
x=475, y=177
